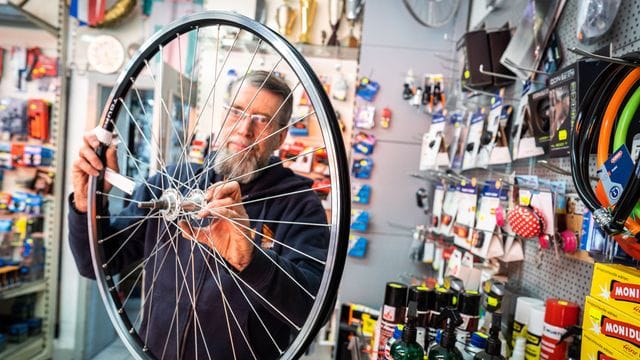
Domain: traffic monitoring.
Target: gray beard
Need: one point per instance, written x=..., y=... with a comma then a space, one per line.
x=236, y=166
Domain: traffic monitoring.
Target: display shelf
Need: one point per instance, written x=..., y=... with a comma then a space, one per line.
x=23, y=289
x=25, y=350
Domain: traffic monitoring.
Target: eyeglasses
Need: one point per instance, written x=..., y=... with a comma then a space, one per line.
x=236, y=114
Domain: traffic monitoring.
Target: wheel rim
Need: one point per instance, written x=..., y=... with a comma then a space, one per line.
x=335, y=256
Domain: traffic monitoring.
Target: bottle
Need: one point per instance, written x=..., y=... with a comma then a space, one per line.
x=397, y=334
x=393, y=312
x=444, y=298
x=469, y=308
x=494, y=345
x=425, y=300
x=519, y=350
x=447, y=348
x=477, y=343
x=408, y=348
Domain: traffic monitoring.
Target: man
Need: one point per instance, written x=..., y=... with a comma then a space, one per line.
x=265, y=256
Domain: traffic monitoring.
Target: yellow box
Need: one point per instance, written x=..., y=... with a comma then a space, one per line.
x=618, y=286
x=612, y=326
x=596, y=347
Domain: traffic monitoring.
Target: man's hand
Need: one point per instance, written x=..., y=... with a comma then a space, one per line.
x=231, y=240
x=89, y=164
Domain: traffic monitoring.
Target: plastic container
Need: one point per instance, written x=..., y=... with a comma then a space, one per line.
x=521, y=317
x=534, y=333
x=35, y=326
x=18, y=332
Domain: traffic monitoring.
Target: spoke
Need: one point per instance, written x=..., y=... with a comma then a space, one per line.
x=118, y=197
x=211, y=139
x=124, y=243
x=231, y=272
x=128, y=216
x=171, y=178
x=122, y=230
x=142, y=264
x=212, y=161
x=184, y=125
x=284, y=222
x=273, y=197
x=272, y=165
x=124, y=303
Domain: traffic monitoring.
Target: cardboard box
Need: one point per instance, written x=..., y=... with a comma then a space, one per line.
x=596, y=347
x=567, y=88
x=618, y=286
x=613, y=326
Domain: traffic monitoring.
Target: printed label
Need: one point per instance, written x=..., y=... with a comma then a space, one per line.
x=620, y=330
x=389, y=313
x=532, y=349
x=625, y=292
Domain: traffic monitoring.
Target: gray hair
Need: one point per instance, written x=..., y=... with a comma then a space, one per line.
x=272, y=83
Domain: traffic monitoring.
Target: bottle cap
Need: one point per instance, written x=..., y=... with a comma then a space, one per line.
x=423, y=296
x=523, y=308
x=397, y=332
x=561, y=313
x=395, y=294
x=469, y=303
x=536, y=320
x=479, y=340
x=444, y=298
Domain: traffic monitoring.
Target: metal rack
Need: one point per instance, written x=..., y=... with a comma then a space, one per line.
x=46, y=290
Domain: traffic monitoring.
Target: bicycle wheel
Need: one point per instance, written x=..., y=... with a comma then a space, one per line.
x=172, y=281
x=432, y=13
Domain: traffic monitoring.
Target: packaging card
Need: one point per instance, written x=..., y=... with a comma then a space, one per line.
x=489, y=135
x=460, y=125
x=614, y=173
x=449, y=210
x=489, y=201
x=616, y=327
x=472, y=146
x=438, y=198
x=465, y=219
x=432, y=143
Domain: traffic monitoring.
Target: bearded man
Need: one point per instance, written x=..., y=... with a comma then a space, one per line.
x=256, y=265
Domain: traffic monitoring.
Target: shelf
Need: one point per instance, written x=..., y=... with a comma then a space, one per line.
x=28, y=349
x=26, y=288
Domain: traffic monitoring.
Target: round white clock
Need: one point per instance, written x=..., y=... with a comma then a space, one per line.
x=105, y=54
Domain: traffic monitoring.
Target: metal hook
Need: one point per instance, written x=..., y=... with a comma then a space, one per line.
x=482, y=92
x=510, y=77
x=512, y=64
x=559, y=170
x=602, y=57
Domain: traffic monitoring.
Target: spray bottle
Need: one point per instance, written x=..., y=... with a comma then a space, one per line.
x=447, y=349
x=494, y=345
x=408, y=348
x=425, y=301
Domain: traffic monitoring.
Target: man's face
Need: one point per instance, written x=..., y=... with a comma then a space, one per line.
x=243, y=131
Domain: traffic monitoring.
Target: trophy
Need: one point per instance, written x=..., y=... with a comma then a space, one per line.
x=307, y=13
x=353, y=9
x=336, y=8
x=285, y=17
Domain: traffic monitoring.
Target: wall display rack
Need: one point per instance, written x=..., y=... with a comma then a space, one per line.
x=43, y=293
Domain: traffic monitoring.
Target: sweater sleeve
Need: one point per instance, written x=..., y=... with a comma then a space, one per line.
x=122, y=248
x=284, y=276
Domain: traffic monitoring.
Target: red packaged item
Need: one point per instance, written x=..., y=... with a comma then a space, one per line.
x=38, y=119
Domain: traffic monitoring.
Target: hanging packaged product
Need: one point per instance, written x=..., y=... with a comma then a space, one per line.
x=300, y=123
x=438, y=198
x=361, y=168
x=467, y=198
x=364, y=143
x=433, y=152
x=364, y=117
x=614, y=173
x=367, y=89
x=385, y=118
x=360, y=193
x=359, y=220
x=357, y=246
x=459, y=123
x=484, y=237
x=522, y=138
x=490, y=134
x=476, y=124
x=567, y=88
x=618, y=286
x=559, y=315
x=393, y=313
x=340, y=88
x=449, y=210
x=13, y=118
x=408, y=88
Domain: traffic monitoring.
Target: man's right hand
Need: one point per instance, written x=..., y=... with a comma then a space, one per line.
x=89, y=164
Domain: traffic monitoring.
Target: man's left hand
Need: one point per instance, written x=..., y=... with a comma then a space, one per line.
x=229, y=232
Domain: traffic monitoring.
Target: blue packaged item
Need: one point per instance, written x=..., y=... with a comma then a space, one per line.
x=357, y=246
x=35, y=326
x=364, y=143
x=360, y=193
x=33, y=204
x=6, y=225
x=362, y=168
x=18, y=202
x=367, y=89
x=359, y=220
x=18, y=332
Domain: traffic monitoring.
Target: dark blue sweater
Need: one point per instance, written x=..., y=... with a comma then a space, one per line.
x=262, y=275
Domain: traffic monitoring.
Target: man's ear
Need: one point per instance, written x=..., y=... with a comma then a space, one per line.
x=281, y=137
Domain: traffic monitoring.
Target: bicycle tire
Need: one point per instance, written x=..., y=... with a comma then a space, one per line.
x=337, y=159
x=429, y=20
